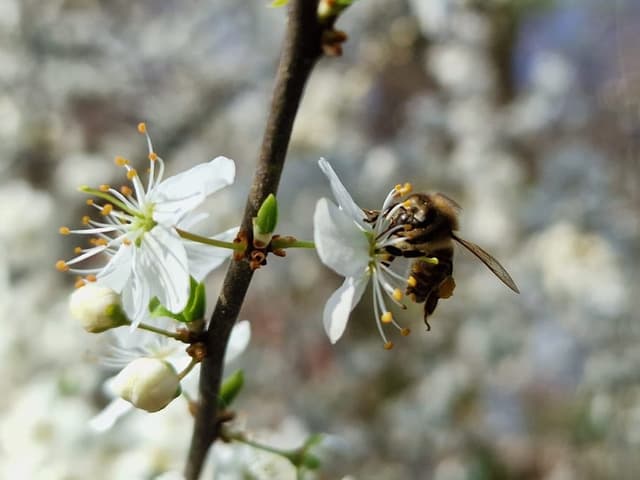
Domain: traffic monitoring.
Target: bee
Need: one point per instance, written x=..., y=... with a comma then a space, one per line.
x=425, y=225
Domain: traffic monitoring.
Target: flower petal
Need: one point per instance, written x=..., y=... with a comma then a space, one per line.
x=340, y=243
x=341, y=194
x=164, y=267
x=341, y=304
x=205, y=258
x=178, y=195
x=109, y=415
x=116, y=273
x=238, y=341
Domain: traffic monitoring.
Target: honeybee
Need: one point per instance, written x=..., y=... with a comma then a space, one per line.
x=428, y=224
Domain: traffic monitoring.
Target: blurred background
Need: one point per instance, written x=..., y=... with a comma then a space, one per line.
x=526, y=112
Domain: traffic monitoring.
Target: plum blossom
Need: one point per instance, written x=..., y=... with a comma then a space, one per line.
x=138, y=231
x=354, y=247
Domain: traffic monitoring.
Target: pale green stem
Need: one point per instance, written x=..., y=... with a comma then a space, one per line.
x=210, y=241
x=242, y=438
x=280, y=243
x=188, y=368
x=159, y=331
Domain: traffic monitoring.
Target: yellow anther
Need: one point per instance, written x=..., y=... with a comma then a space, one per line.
x=388, y=345
x=411, y=281
x=100, y=242
x=386, y=317
x=64, y=231
x=397, y=294
x=62, y=266
x=107, y=209
x=405, y=332
x=86, y=219
x=121, y=161
x=91, y=278
x=153, y=156
x=404, y=189
x=127, y=242
x=104, y=188
x=127, y=191
x=142, y=127
x=398, y=187
x=79, y=283
x=89, y=201
x=131, y=174
x=406, y=203
x=77, y=250
x=431, y=260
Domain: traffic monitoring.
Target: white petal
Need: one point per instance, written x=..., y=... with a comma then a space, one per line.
x=238, y=341
x=340, y=243
x=136, y=296
x=205, y=258
x=178, y=195
x=340, y=305
x=163, y=265
x=341, y=194
x=109, y=415
x=116, y=273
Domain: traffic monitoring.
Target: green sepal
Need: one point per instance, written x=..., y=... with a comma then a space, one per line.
x=231, y=387
x=194, y=310
x=267, y=218
x=311, y=462
x=116, y=313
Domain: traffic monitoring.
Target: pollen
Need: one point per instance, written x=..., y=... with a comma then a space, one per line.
x=64, y=231
x=91, y=278
x=388, y=345
x=89, y=201
x=121, y=161
x=104, y=188
x=77, y=250
x=406, y=204
x=405, y=332
x=126, y=190
x=153, y=156
x=86, y=219
x=131, y=174
x=62, y=266
x=79, y=283
x=397, y=294
x=386, y=317
x=142, y=127
x=411, y=281
x=107, y=209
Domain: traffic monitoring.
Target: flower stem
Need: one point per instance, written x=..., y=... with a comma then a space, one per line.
x=241, y=437
x=210, y=241
x=159, y=331
x=188, y=368
x=282, y=243
x=301, y=50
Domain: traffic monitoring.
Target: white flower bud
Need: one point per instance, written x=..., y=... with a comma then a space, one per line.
x=97, y=308
x=148, y=383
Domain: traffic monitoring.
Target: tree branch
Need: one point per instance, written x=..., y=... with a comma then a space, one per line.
x=302, y=48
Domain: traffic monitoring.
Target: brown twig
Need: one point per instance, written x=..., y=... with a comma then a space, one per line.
x=302, y=48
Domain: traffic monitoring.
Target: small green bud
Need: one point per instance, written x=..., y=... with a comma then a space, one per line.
x=265, y=223
x=230, y=389
x=97, y=308
x=311, y=462
x=148, y=384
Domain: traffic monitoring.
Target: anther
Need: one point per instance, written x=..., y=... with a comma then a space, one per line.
x=86, y=219
x=107, y=209
x=406, y=203
x=404, y=189
x=131, y=174
x=127, y=191
x=77, y=250
x=405, y=332
x=64, y=231
x=89, y=201
x=127, y=242
x=153, y=156
x=142, y=127
x=62, y=266
x=397, y=294
x=104, y=188
x=386, y=317
x=121, y=161
x=411, y=281
x=79, y=283
x=388, y=345
x=91, y=278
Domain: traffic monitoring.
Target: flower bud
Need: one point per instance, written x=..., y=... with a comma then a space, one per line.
x=148, y=383
x=97, y=308
x=265, y=223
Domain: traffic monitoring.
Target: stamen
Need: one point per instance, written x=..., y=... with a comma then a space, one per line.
x=397, y=294
x=77, y=250
x=126, y=241
x=411, y=281
x=64, y=231
x=79, y=283
x=91, y=278
x=405, y=332
x=107, y=209
x=86, y=219
x=142, y=127
x=388, y=345
x=121, y=161
x=404, y=189
x=406, y=203
x=104, y=188
x=62, y=266
x=89, y=201
x=126, y=190
x=386, y=317
x=132, y=173
x=153, y=156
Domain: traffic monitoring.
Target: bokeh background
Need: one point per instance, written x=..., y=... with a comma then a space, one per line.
x=526, y=112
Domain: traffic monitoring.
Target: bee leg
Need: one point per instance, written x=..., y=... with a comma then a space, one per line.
x=429, y=306
x=446, y=288
x=426, y=322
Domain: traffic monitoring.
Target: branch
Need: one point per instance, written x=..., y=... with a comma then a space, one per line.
x=302, y=48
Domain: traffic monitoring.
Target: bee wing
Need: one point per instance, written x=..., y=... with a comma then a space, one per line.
x=489, y=261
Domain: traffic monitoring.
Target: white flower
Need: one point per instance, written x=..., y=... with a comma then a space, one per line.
x=128, y=346
x=138, y=232
x=148, y=383
x=355, y=248
x=96, y=307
